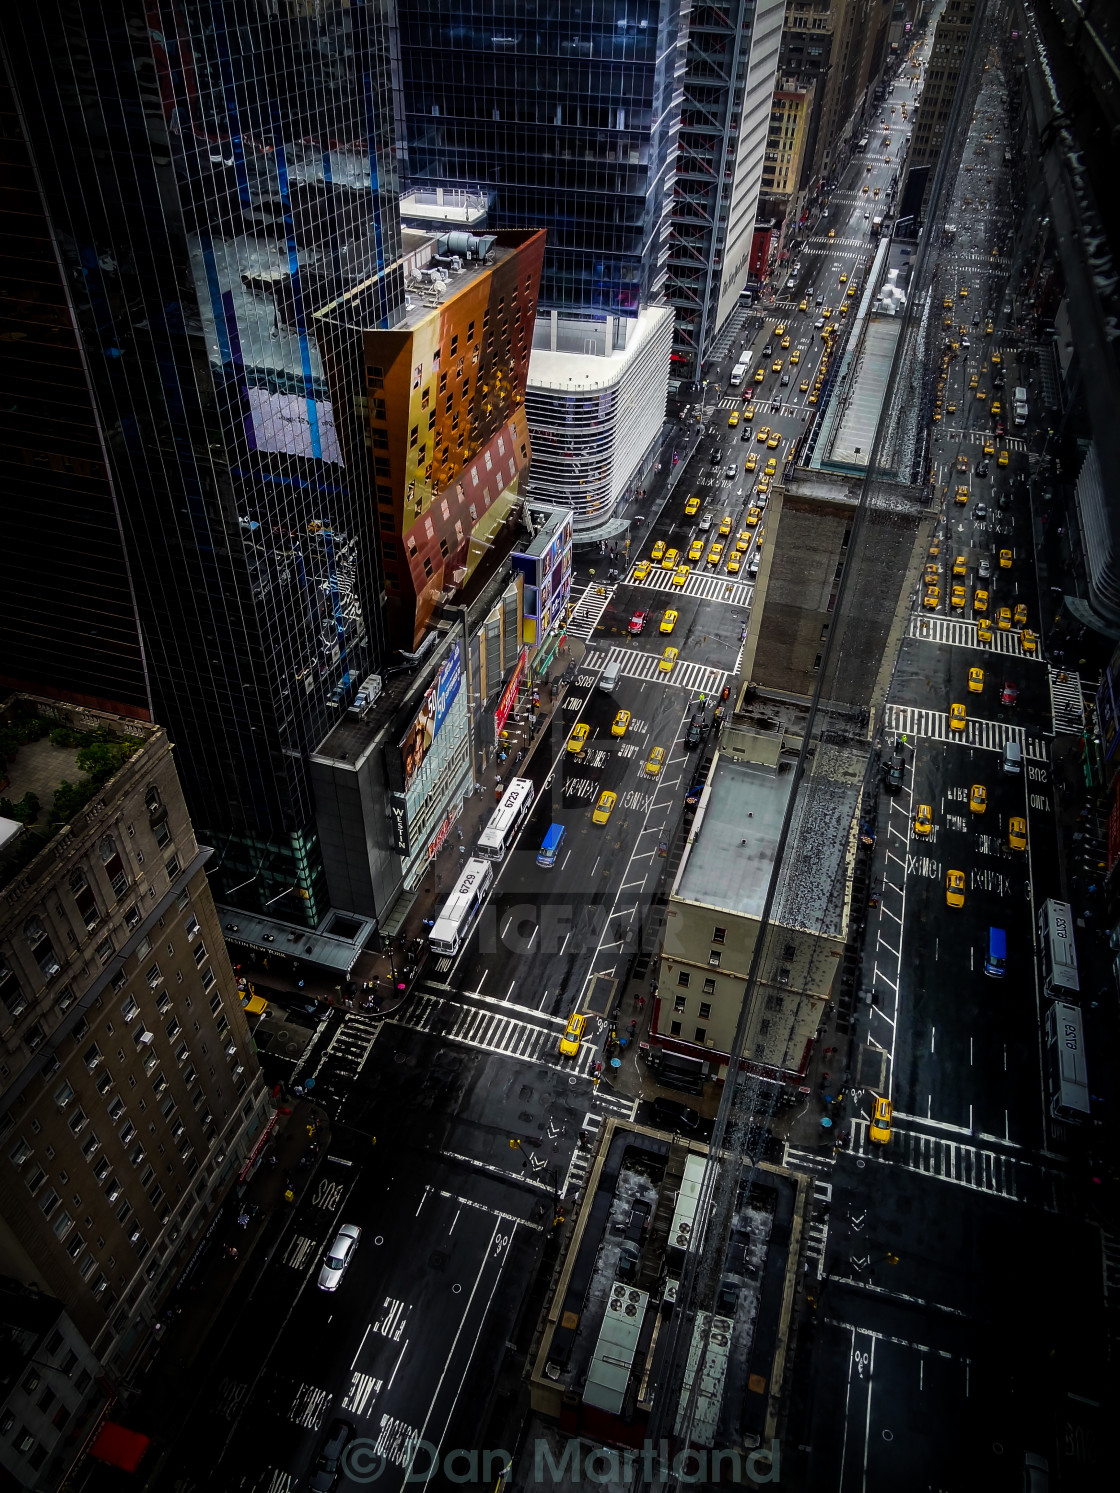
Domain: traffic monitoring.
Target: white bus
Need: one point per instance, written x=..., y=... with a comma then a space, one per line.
x=461, y=910
x=1065, y=1063
x=506, y=819
x=1056, y=949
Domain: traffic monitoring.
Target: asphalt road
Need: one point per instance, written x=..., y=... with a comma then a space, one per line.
x=957, y=1306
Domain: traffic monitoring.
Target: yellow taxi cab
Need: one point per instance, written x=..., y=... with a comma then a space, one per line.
x=1003, y=457
x=843, y=308
x=669, y=559
x=734, y=561
x=573, y=1034
x=843, y=279
x=776, y=366
x=764, y=482
x=692, y=506
x=760, y=535
x=923, y=819
x=668, y=659
x=655, y=762
x=759, y=375
x=794, y=358
x=804, y=306
x=774, y=441
x=962, y=463
x=880, y=1128
x=876, y=192
x=602, y=810
x=958, y=598
x=935, y=548
x=865, y=185
x=989, y=449
x=668, y=620
x=733, y=419
x=932, y=599
x=780, y=329
x=978, y=798
x=960, y=565
x=997, y=358
x=762, y=434
x=641, y=570
x=979, y=601
x=785, y=343
x=958, y=718
x=753, y=516
x=811, y=398
x=962, y=495
x=715, y=554
x=933, y=574
x=1028, y=640
x=1003, y=619
x=578, y=739
x=680, y=575
x=1017, y=832
x=954, y=888
x=976, y=681
x=851, y=290
x=724, y=526
x=947, y=303
x=743, y=543
x=963, y=292
x=974, y=381
x=951, y=407
x=751, y=462
x=832, y=231
x=1020, y=617
x=771, y=465
x=658, y=550
x=984, y=631
x=803, y=386
x=748, y=414
x=981, y=393
x=696, y=549
x=621, y=721
x=826, y=312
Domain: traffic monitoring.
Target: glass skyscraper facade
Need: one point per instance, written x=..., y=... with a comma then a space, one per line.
x=194, y=510
x=567, y=115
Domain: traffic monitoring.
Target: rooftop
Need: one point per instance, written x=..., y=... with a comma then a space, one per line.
x=580, y=372
x=445, y=205
x=59, y=756
x=732, y=851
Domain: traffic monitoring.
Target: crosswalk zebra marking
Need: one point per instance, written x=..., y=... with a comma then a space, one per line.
x=1067, y=703
x=991, y=736
x=587, y=612
x=697, y=678
x=507, y=1036
x=928, y=627
x=705, y=587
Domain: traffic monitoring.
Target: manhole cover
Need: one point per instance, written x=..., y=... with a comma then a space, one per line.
x=438, y=1259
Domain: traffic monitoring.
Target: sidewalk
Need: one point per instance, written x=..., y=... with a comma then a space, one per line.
x=241, y=1240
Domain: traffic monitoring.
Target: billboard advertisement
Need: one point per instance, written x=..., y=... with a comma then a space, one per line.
x=438, y=700
x=509, y=695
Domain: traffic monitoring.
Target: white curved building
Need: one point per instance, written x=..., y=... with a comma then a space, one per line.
x=594, y=414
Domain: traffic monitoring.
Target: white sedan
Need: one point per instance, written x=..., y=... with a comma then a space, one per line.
x=339, y=1256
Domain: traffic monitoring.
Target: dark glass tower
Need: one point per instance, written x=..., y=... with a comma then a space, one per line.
x=191, y=181
x=567, y=115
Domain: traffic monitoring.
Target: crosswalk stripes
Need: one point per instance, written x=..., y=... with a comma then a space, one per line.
x=697, y=678
x=583, y=1156
x=588, y=610
x=618, y=1104
x=818, y=1164
x=705, y=587
x=1066, y=701
x=991, y=736
x=928, y=627
x=493, y=1031
x=978, y=437
x=816, y=1232
x=344, y=1056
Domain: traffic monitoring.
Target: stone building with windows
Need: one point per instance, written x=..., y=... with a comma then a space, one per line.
x=129, y=1088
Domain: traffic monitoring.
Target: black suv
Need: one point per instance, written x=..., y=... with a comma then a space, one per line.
x=674, y=1115
x=328, y=1466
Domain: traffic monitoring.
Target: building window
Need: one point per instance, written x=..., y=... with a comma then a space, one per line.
x=674, y=1029
x=719, y=935
x=709, y=987
x=680, y=1003
x=84, y=899
x=701, y=1033
x=173, y=868
x=714, y=957
x=683, y=977
x=153, y=976
x=705, y=1010
x=41, y=947
x=114, y=866
x=199, y=954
